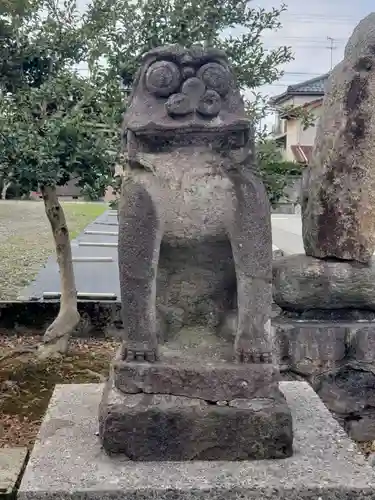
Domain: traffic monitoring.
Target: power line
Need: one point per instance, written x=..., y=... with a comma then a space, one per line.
x=304, y=47
x=301, y=73
x=311, y=15
x=328, y=21
x=318, y=17
x=311, y=39
x=284, y=40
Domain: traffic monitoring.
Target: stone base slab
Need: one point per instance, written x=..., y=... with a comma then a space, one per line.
x=159, y=427
x=207, y=379
x=67, y=462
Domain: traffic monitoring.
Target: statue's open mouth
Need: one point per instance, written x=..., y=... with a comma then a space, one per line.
x=235, y=135
x=231, y=139
x=191, y=126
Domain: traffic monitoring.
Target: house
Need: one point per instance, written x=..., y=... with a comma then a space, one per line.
x=295, y=142
x=69, y=190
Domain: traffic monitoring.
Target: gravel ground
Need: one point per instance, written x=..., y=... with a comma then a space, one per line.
x=26, y=384
x=26, y=239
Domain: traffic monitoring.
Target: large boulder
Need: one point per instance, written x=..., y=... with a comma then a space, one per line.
x=338, y=192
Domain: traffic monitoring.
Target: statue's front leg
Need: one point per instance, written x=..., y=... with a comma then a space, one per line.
x=139, y=241
x=251, y=240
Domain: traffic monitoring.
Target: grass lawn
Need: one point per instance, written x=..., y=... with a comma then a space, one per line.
x=26, y=239
x=78, y=215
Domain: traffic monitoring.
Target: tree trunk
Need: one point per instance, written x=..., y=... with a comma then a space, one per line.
x=5, y=189
x=57, y=335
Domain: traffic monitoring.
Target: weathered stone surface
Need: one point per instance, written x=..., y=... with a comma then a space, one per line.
x=188, y=280
x=338, y=360
x=312, y=349
x=301, y=282
x=209, y=381
x=350, y=394
x=199, y=364
x=195, y=370
x=190, y=199
x=67, y=461
x=338, y=194
x=11, y=465
x=195, y=240
x=161, y=427
x=361, y=429
x=362, y=344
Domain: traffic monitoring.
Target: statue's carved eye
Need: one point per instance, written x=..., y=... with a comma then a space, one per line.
x=216, y=77
x=163, y=78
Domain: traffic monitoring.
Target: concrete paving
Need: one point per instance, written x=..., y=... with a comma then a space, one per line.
x=68, y=462
x=95, y=265
x=287, y=233
x=95, y=257
x=11, y=465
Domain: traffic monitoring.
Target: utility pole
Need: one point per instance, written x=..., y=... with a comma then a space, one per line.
x=331, y=48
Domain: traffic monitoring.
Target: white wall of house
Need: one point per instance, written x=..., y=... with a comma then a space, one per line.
x=307, y=136
x=295, y=134
x=300, y=100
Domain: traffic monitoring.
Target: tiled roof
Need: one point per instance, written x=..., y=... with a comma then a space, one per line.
x=314, y=86
x=301, y=153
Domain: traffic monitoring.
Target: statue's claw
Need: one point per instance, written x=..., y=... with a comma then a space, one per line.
x=140, y=354
x=246, y=351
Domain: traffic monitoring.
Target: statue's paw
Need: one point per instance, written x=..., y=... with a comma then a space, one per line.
x=247, y=352
x=137, y=354
x=264, y=357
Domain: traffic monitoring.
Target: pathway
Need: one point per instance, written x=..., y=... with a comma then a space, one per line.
x=94, y=254
x=95, y=259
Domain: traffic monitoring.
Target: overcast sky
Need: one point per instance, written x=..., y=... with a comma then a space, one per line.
x=306, y=26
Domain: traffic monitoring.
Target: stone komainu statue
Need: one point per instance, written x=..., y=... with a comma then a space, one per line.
x=194, y=248
x=194, y=221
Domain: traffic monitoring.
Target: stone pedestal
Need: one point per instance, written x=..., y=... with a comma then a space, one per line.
x=68, y=463
x=338, y=359
x=195, y=403
x=327, y=334
x=161, y=427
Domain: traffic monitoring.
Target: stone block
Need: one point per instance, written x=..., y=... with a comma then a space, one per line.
x=196, y=363
x=12, y=461
x=310, y=348
x=337, y=359
x=185, y=428
x=301, y=283
x=211, y=380
x=67, y=461
x=362, y=344
x=349, y=391
x=361, y=429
